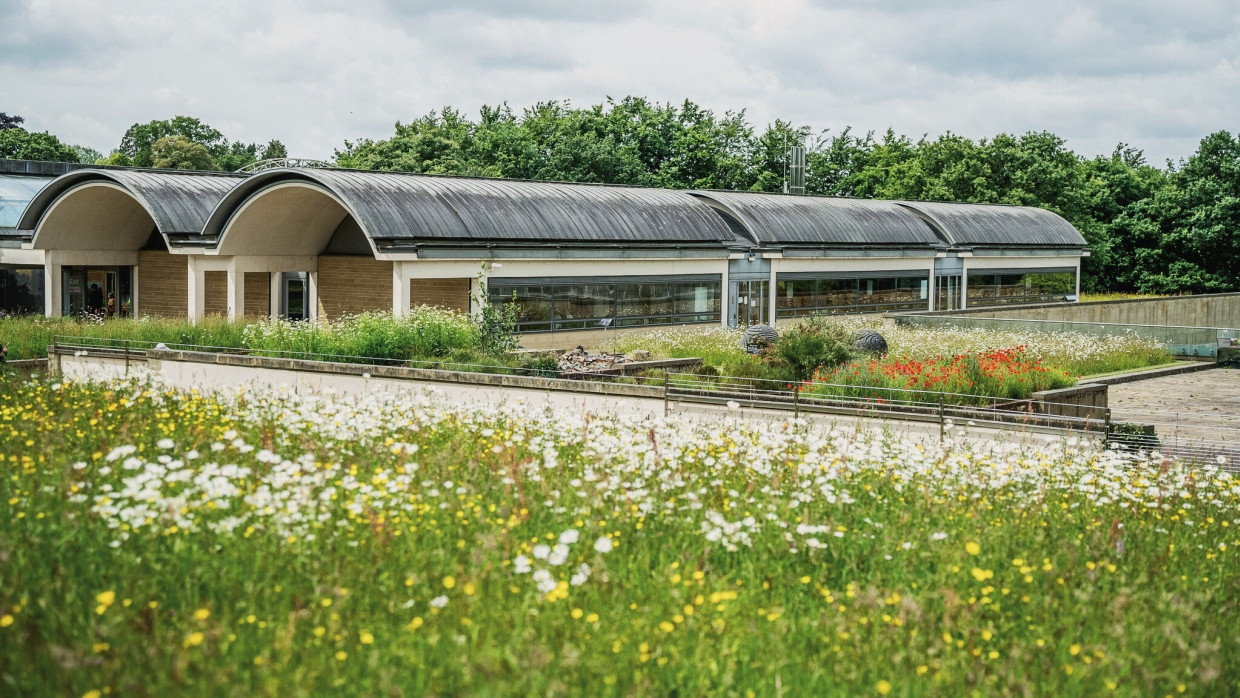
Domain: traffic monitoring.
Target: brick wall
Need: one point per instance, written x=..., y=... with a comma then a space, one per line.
x=163, y=284
x=257, y=294
x=215, y=293
x=349, y=285
x=452, y=294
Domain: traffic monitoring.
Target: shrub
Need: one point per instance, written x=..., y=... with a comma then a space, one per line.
x=540, y=365
x=806, y=348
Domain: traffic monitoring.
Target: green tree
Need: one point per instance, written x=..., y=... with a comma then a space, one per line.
x=7, y=122
x=180, y=153
x=274, y=150
x=136, y=145
x=86, y=155
x=20, y=144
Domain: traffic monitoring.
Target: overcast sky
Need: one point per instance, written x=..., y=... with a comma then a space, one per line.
x=1156, y=74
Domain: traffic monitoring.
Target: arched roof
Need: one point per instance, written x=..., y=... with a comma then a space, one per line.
x=981, y=225
x=407, y=209
x=179, y=203
x=780, y=219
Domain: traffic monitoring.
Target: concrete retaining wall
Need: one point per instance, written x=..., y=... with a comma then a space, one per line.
x=1087, y=401
x=1207, y=310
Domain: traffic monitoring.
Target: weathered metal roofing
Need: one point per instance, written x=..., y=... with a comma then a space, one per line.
x=411, y=209
x=980, y=225
x=781, y=219
x=178, y=202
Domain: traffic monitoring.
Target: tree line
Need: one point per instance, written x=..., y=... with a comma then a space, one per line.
x=1171, y=229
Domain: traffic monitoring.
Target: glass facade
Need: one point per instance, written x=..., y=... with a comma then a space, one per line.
x=1003, y=286
x=96, y=291
x=799, y=295
x=21, y=290
x=15, y=192
x=546, y=305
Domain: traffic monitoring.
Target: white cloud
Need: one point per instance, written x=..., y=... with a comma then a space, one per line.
x=1155, y=75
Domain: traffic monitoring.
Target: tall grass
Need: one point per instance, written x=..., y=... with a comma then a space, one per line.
x=425, y=334
x=28, y=336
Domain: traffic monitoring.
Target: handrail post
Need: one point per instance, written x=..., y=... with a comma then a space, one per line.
x=942, y=422
x=126, y=357
x=796, y=403
x=666, y=382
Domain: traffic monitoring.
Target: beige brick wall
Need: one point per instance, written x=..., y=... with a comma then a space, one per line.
x=349, y=285
x=215, y=292
x=452, y=294
x=163, y=284
x=257, y=294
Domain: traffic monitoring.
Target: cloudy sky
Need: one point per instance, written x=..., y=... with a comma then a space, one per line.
x=1156, y=74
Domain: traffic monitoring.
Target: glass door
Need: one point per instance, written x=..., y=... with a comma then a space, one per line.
x=752, y=302
x=294, y=303
x=73, y=292
x=948, y=292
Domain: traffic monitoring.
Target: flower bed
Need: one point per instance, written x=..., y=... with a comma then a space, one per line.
x=996, y=373
x=166, y=543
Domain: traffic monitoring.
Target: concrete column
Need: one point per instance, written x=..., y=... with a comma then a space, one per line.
x=236, y=291
x=725, y=300
x=196, y=305
x=133, y=298
x=773, y=296
x=276, y=291
x=1078, y=279
x=964, y=283
x=51, y=286
x=400, y=290
x=312, y=296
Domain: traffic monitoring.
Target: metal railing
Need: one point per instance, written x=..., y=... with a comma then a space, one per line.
x=755, y=393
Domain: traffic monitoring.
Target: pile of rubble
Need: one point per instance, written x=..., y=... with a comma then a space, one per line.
x=579, y=360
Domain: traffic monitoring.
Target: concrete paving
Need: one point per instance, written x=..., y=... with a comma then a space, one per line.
x=1202, y=406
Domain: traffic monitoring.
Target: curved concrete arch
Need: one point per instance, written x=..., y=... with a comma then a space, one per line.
x=177, y=203
x=296, y=217
x=97, y=215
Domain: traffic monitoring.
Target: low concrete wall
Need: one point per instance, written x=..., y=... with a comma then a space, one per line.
x=1207, y=310
x=1087, y=401
x=198, y=370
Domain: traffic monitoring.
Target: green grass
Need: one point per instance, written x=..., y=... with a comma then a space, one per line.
x=373, y=546
x=29, y=336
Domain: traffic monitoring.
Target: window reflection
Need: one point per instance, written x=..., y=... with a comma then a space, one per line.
x=799, y=297
x=543, y=307
x=999, y=287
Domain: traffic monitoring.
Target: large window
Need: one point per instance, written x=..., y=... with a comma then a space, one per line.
x=799, y=295
x=546, y=305
x=21, y=290
x=1003, y=286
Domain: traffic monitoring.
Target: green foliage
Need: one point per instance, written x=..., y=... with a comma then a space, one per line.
x=496, y=325
x=807, y=347
x=180, y=153
x=19, y=144
x=274, y=149
x=137, y=147
x=540, y=365
x=426, y=333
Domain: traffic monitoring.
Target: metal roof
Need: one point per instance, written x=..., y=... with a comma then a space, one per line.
x=981, y=225
x=178, y=202
x=782, y=219
x=407, y=209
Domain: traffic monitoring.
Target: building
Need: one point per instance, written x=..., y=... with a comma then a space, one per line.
x=322, y=242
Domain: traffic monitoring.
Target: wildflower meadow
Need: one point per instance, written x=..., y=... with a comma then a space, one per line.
x=155, y=542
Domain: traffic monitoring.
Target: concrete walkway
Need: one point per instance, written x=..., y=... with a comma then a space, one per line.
x=1202, y=406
